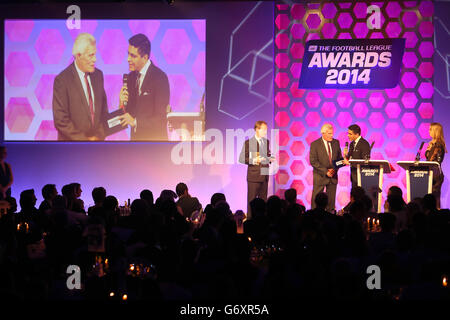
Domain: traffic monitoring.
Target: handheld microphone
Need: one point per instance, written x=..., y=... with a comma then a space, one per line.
x=125, y=84
x=418, y=152
x=346, y=149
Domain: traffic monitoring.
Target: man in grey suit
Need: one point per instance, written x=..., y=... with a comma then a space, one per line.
x=256, y=155
x=79, y=100
x=323, y=152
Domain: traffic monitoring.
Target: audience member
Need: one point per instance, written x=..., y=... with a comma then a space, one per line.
x=98, y=195
x=216, y=198
x=397, y=206
x=147, y=195
x=290, y=195
x=185, y=202
x=49, y=192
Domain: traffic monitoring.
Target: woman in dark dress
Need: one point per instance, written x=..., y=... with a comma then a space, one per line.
x=435, y=152
x=6, y=177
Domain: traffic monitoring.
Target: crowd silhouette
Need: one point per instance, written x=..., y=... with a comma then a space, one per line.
x=174, y=248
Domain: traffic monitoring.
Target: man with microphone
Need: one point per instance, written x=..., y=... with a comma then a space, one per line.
x=145, y=94
x=359, y=149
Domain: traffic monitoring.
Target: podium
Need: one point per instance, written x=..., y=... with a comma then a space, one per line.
x=370, y=176
x=419, y=177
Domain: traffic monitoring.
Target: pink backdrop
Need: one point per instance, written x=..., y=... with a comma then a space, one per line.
x=396, y=119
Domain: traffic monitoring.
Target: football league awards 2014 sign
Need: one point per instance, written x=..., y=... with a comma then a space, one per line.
x=352, y=63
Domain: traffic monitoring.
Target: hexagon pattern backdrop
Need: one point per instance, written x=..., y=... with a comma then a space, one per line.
x=37, y=50
x=396, y=119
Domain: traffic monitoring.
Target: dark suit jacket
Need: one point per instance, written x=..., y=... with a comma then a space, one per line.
x=360, y=152
x=149, y=108
x=188, y=205
x=254, y=171
x=318, y=157
x=71, y=114
x=45, y=205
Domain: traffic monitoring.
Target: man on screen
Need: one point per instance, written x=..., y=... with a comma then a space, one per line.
x=146, y=95
x=79, y=99
x=359, y=149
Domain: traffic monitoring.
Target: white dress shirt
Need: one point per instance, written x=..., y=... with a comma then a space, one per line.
x=259, y=141
x=83, y=83
x=325, y=142
x=143, y=72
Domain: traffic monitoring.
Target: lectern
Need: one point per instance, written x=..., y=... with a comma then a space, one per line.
x=419, y=177
x=370, y=176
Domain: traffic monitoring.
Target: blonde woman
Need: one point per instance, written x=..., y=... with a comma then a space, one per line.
x=435, y=152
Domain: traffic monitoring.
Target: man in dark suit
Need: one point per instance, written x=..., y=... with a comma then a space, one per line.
x=359, y=149
x=146, y=95
x=79, y=99
x=256, y=155
x=49, y=193
x=187, y=204
x=323, y=152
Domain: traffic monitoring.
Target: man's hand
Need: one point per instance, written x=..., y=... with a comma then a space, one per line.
x=258, y=160
x=330, y=173
x=127, y=119
x=346, y=162
x=123, y=97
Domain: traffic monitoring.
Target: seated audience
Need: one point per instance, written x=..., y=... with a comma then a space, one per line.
x=155, y=253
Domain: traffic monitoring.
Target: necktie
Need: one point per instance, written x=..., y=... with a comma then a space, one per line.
x=329, y=151
x=91, y=102
x=138, y=77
